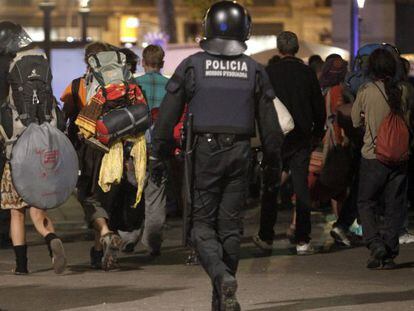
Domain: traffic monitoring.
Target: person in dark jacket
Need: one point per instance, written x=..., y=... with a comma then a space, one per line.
x=225, y=91
x=297, y=86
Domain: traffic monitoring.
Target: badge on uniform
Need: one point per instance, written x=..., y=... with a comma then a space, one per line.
x=226, y=68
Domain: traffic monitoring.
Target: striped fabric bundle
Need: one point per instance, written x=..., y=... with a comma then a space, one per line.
x=86, y=120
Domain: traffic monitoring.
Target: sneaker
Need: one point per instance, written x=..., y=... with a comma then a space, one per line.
x=96, y=258
x=406, y=238
x=304, y=249
x=111, y=243
x=129, y=239
x=340, y=237
x=388, y=264
x=228, y=300
x=263, y=245
x=58, y=256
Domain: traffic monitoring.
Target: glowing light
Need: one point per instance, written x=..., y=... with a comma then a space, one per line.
x=132, y=22
x=129, y=29
x=361, y=3
x=83, y=3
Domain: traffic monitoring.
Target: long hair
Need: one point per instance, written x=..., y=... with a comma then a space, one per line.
x=382, y=66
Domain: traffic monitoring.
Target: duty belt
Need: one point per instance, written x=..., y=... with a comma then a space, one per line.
x=225, y=140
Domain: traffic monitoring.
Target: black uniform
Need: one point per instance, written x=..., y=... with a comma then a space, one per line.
x=225, y=95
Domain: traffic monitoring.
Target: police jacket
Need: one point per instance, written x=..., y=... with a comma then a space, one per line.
x=225, y=96
x=297, y=86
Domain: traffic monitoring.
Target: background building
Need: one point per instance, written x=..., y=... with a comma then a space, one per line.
x=388, y=21
x=120, y=21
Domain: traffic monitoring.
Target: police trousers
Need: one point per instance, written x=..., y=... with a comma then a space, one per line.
x=220, y=185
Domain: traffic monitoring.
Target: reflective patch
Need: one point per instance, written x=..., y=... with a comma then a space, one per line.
x=226, y=68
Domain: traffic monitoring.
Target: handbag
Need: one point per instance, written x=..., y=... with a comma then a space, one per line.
x=285, y=118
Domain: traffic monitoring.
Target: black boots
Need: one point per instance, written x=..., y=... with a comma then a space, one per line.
x=21, y=259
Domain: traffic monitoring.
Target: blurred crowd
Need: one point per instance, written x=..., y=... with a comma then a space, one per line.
x=335, y=158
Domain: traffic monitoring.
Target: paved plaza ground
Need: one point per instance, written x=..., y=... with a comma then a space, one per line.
x=333, y=279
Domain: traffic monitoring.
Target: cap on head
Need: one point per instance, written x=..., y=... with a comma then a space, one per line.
x=226, y=26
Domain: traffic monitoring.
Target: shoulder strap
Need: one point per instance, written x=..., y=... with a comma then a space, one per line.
x=386, y=99
x=75, y=94
x=330, y=117
x=382, y=93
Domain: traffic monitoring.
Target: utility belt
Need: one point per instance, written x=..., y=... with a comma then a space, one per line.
x=222, y=140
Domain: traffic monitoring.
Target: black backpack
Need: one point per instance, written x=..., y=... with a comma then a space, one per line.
x=30, y=97
x=30, y=80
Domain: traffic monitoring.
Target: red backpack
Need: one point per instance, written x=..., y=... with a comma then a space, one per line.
x=392, y=141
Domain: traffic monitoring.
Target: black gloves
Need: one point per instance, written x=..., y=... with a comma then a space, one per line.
x=157, y=170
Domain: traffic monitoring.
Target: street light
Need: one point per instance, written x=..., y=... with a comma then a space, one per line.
x=47, y=8
x=84, y=10
x=356, y=6
x=361, y=4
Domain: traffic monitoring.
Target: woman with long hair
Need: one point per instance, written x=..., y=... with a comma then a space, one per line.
x=380, y=185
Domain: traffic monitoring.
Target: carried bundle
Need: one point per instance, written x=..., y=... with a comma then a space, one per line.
x=118, y=109
x=116, y=114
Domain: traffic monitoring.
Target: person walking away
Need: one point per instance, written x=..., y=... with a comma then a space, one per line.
x=408, y=106
x=125, y=218
x=15, y=41
x=331, y=81
x=383, y=169
x=316, y=63
x=107, y=243
x=152, y=84
x=216, y=83
x=297, y=86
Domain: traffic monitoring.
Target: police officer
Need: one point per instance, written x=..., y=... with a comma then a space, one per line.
x=12, y=39
x=225, y=91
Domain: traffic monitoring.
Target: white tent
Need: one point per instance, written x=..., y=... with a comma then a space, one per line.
x=306, y=49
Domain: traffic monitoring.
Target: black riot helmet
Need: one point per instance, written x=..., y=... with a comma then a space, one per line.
x=12, y=38
x=226, y=27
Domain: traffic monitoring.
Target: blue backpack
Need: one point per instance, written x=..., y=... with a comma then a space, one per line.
x=359, y=74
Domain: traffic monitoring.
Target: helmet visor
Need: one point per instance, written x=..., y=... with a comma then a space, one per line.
x=22, y=39
x=218, y=46
x=18, y=40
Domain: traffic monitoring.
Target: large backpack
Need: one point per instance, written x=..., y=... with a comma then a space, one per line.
x=109, y=114
x=30, y=97
x=359, y=74
x=44, y=165
x=392, y=141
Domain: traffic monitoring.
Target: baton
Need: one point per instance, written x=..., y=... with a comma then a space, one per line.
x=188, y=176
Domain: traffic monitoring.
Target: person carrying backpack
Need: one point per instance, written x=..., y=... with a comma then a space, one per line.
x=383, y=168
x=110, y=125
x=30, y=100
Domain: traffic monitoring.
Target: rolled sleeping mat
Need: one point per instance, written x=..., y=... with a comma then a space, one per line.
x=121, y=122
